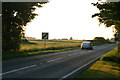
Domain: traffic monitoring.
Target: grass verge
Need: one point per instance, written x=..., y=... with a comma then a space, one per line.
x=107, y=67
x=34, y=52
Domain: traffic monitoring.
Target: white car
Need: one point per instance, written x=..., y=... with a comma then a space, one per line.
x=87, y=45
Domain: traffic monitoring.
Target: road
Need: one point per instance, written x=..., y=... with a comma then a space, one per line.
x=56, y=65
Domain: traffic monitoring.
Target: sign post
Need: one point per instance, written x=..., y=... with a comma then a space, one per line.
x=44, y=44
x=44, y=37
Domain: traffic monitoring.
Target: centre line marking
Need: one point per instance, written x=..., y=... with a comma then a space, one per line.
x=41, y=63
x=53, y=60
x=17, y=69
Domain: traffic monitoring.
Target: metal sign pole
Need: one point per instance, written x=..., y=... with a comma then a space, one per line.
x=44, y=43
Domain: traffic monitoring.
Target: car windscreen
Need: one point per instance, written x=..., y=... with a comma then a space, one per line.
x=86, y=44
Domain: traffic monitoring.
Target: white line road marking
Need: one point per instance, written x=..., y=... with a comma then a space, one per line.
x=64, y=52
x=89, y=51
x=65, y=56
x=53, y=60
x=62, y=57
x=69, y=51
x=35, y=65
x=81, y=52
x=74, y=54
x=41, y=63
x=18, y=69
x=78, y=68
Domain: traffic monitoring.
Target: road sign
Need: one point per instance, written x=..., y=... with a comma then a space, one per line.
x=44, y=35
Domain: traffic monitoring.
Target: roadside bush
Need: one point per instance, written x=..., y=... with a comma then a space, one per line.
x=113, y=56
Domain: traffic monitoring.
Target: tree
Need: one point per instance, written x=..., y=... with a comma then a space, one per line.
x=99, y=39
x=71, y=38
x=109, y=15
x=15, y=16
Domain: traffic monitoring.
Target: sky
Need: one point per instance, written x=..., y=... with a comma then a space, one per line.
x=23, y=0
x=67, y=18
x=47, y=0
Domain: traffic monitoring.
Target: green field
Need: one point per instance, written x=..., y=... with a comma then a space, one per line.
x=39, y=44
x=36, y=47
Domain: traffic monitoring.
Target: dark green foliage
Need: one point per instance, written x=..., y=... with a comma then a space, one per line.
x=15, y=15
x=109, y=14
x=112, y=56
x=100, y=41
x=99, y=38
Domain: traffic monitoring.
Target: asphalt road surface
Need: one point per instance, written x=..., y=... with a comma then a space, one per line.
x=56, y=65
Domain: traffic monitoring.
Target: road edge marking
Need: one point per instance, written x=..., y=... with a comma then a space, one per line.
x=69, y=74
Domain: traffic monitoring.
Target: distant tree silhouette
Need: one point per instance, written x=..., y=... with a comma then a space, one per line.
x=71, y=38
x=99, y=38
x=15, y=16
